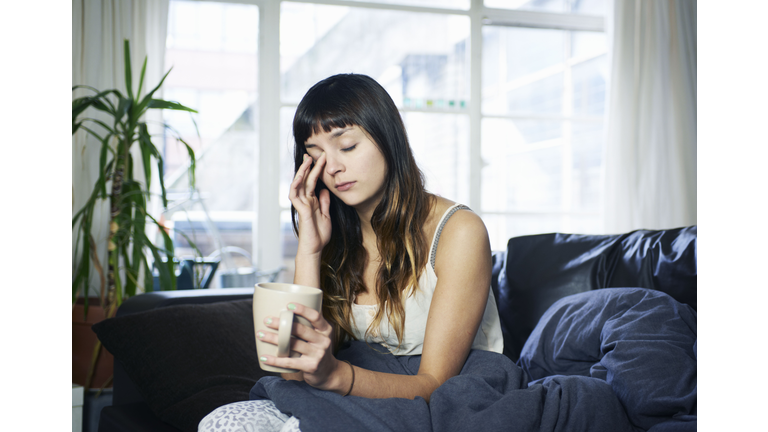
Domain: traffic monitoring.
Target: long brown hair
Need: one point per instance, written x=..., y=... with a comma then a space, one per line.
x=398, y=220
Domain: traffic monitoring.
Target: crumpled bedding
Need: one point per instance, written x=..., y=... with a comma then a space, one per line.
x=619, y=359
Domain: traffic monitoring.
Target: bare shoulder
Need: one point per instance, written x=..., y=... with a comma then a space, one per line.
x=463, y=240
x=439, y=206
x=465, y=226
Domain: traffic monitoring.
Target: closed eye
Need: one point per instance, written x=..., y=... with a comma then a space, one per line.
x=350, y=148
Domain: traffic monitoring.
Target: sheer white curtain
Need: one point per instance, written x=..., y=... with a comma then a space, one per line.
x=650, y=160
x=99, y=28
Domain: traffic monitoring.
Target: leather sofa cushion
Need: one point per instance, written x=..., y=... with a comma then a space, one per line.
x=537, y=270
x=187, y=360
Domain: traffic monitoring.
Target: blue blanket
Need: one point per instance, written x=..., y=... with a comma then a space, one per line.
x=620, y=359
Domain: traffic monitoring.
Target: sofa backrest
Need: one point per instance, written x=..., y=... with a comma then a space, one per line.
x=537, y=270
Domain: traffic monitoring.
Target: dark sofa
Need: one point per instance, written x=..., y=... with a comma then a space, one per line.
x=179, y=355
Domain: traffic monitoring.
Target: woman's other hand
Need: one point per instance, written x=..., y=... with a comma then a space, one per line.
x=317, y=363
x=313, y=211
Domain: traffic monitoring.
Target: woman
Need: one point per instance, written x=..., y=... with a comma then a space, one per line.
x=397, y=265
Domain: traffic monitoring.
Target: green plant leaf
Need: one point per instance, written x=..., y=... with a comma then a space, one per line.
x=80, y=105
x=146, y=153
x=100, y=123
x=99, y=101
x=81, y=274
x=161, y=173
x=134, y=281
x=130, y=201
x=191, y=162
x=139, y=225
x=99, y=94
x=75, y=87
x=164, y=104
x=197, y=130
x=145, y=102
x=128, y=75
x=169, y=252
x=90, y=131
x=162, y=268
x=128, y=174
x=123, y=106
x=146, y=142
x=149, y=278
x=141, y=78
x=192, y=244
x=190, y=151
x=85, y=266
x=129, y=289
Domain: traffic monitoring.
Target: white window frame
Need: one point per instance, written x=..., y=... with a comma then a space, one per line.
x=267, y=242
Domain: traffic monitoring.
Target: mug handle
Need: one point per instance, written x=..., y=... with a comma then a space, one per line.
x=284, y=333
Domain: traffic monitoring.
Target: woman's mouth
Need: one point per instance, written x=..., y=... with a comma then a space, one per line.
x=341, y=187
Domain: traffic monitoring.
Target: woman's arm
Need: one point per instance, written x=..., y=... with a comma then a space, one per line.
x=463, y=267
x=314, y=227
x=314, y=221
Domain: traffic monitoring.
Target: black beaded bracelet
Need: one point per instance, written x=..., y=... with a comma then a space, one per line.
x=353, y=378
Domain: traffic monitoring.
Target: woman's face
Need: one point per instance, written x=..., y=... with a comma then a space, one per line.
x=355, y=170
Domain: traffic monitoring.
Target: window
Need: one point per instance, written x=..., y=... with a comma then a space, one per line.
x=420, y=58
x=543, y=102
x=533, y=100
x=213, y=50
x=588, y=7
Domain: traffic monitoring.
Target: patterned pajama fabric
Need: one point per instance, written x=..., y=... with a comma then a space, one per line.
x=248, y=416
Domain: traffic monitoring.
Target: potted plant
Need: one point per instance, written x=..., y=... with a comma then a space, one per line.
x=129, y=247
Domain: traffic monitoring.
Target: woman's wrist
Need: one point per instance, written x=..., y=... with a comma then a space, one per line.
x=308, y=257
x=307, y=270
x=343, y=378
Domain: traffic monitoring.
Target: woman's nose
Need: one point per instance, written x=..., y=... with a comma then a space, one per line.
x=332, y=164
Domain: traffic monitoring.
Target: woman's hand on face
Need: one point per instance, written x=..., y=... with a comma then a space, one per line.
x=313, y=211
x=317, y=362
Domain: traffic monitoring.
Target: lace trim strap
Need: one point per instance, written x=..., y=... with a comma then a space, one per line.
x=445, y=218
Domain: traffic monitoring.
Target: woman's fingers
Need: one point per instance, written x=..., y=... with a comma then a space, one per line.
x=312, y=342
x=297, y=185
x=303, y=363
x=311, y=352
x=299, y=330
x=297, y=344
x=320, y=327
x=314, y=174
x=317, y=335
x=314, y=317
x=325, y=203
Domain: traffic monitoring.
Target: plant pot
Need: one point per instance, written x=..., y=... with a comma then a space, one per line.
x=83, y=343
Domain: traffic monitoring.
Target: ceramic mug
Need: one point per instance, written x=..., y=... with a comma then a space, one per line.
x=271, y=299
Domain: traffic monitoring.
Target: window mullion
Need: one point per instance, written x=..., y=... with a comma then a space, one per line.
x=561, y=21
x=475, y=105
x=267, y=244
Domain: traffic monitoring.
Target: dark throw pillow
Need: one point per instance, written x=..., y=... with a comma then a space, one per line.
x=187, y=360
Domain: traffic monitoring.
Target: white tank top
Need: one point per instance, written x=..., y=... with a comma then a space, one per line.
x=488, y=338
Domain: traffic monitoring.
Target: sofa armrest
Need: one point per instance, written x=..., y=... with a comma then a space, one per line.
x=124, y=390
x=130, y=418
x=158, y=299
